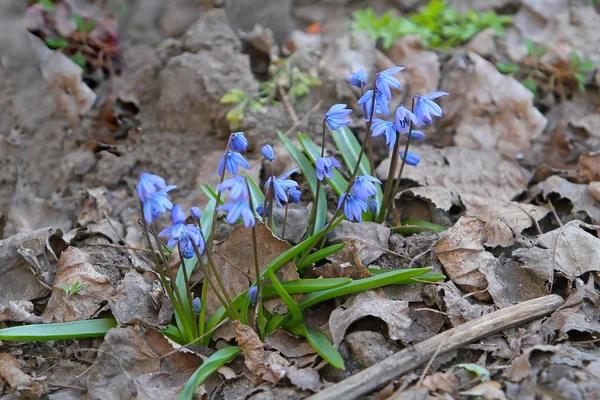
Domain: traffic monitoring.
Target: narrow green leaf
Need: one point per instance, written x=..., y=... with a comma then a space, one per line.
x=173, y=333
x=414, y=226
x=57, y=43
x=61, y=331
x=320, y=343
x=337, y=181
x=575, y=59
x=213, y=363
x=508, y=67
x=480, y=371
x=321, y=254
x=530, y=47
x=287, y=299
x=305, y=286
x=587, y=66
x=309, y=173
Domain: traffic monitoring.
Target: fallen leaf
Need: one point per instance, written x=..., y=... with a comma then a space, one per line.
x=458, y=308
x=287, y=344
x=368, y=348
x=19, y=311
x=305, y=379
x=369, y=304
x=464, y=171
x=371, y=241
x=422, y=67
x=487, y=391
x=346, y=263
x=23, y=385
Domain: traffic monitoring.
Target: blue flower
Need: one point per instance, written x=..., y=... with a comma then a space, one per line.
x=385, y=80
x=238, y=141
x=181, y=234
x=261, y=208
x=411, y=159
x=236, y=186
x=381, y=103
x=417, y=136
x=238, y=209
x=403, y=119
x=152, y=191
x=359, y=78
x=373, y=206
x=193, y=235
x=196, y=212
x=385, y=128
x=337, y=116
x=294, y=195
x=425, y=107
x=268, y=152
x=324, y=167
x=197, y=305
x=353, y=206
x=234, y=160
x=364, y=187
x=149, y=184
x=253, y=294
x=281, y=185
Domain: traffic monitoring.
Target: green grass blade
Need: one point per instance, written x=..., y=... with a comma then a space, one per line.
x=320, y=343
x=305, y=286
x=287, y=299
x=321, y=254
x=415, y=226
x=213, y=363
x=337, y=181
x=311, y=176
x=173, y=333
x=61, y=331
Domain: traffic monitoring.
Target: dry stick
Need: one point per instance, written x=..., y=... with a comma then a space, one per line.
x=554, y=213
x=410, y=358
x=305, y=116
x=287, y=104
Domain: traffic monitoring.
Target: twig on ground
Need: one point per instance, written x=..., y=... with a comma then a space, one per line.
x=287, y=104
x=305, y=116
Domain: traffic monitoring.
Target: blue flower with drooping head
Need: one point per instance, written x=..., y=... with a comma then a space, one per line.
x=411, y=159
x=238, y=141
x=364, y=187
x=239, y=209
x=403, y=119
x=281, y=185
x=337, y=116
x=193, y=235
x=372, y=206
x=268, y=152
x=417, y=136
x=359, y=78
x=196, y=212
x=385, y=128
x=253, y=294
x=353, y=206
x=381, y=103
x=236, y=186
x=234, y=161
x=324, y=167
x=294, y=195
x=152, y=191
x=385, y=80
x=181, y=234
x=261, y=208
x=425, y=107
x=197, y=305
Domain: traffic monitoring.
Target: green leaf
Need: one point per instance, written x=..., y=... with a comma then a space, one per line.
x=530, y=84
x=79, y=59
x=321, y=254
x=531, y=50
x=287, y=299
x=61, y=331
x=581, y=79
x=255, y=193
x=57, y=43
x=587, y=66
x=213, y=363
x=508, y=67
x=481, y=372
x=575, y=59
x=173, y=333
x=337, y=181
x=412, y=227
x=320, y=343
x=83, y=25
x=311, y=176
x=48, y=5
x=234, y=96
x=305, y=286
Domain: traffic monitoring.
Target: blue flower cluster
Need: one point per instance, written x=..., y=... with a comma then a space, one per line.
x=182, y=234
x=152, y=191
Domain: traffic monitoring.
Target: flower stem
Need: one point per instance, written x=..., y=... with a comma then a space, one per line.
x=370, y=148
x=388, y=184
x=284, y=221
x=209, y=242
x=257, y=266
x=188, y=290
x=313, y=212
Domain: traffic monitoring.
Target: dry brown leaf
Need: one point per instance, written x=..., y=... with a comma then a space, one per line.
x=369, y=304
x=422, y=67
x=367, y=242
x=252, y=348
x=462, y=171
x=23, y=385
x=504, y=219
x=458, y=308
x=305, y=379
x=487, y=391
x=462, y=254
x=439, y=196
x=584, y=204
x=287, y=344
x=346, y=263
x=19, y=311
x=235, y=262
x=589, y=166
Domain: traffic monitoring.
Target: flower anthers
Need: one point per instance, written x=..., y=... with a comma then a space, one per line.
x=404, y=118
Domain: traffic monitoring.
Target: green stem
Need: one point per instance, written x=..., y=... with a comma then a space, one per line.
x=284, y=221
x=209, y=242
x=186, y=280
x=390, y=180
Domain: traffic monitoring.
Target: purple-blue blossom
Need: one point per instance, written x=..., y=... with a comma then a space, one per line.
x=238, y=141
x=353, y=206
x=294, y=195
x=268, y=152
x=197, y=305
x=238, y=209
x=385, y=81
x=234, y=161
x=411, y=158
x=381, y=103
x=236, y=186
x=196, y=212
x=281, y=186
x=359, y=78
x=152, y=191
x=382, y=127
x=261, y=209
x=372, y=206
x=404, y=118
x=325, y=167
x=417, y=136
x=337, y=116
x=181, y=233
x=253, y=294
x=426, y=108
x=364, y=187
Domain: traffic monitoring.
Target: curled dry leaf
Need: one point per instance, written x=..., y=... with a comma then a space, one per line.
x=458, y=308
x=287, y=344
x=24, y=386
x=487, y=391
x=346, y=263
x=589, y=166
x=19, y=311
x=461, y=170
x=369, y=304
x=368, y=241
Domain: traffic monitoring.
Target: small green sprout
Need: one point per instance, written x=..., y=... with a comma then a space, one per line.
x=74, y=288
x=578, y=68
x=83, y=25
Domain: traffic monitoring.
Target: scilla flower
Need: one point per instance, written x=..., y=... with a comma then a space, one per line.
x=236, y=186
x=294, y=195
x=364, y=187
x=359, y=78
x=234, y=161
x=253, y=294
x=324, y=167
x=181, y=234
x=196, y=212
x=403, y=119
x=411, y=158
x=337, y=116
x=261, y=208
x=417, y=136
x=197, y=305
x=353, y=206
x=381, y=103
x=238, y=141
x=385, y=80
x=425, y=107
x=372, y=206
x=385, y=128
x=152, y=191
x=281, y=186
x=238, y=209
x=268, y=152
